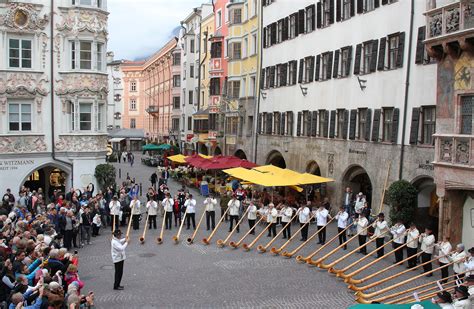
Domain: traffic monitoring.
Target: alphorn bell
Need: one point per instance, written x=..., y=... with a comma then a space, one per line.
x=207, y=240
x=142, y=238
x=361, y=295
x=249, y=246
x=290, y=254
x=263, y=249
x=159, y=239
x=221, y=243
x=277, y=251
x=302, y=259
x=176, y=237
x=190, y=240
x=237, y=244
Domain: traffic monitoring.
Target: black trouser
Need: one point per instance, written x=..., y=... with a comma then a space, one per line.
x=124, y=219
x=304, y=231
x=74, y=237
x=342, y=236
x=190, y=217
x=411, y=252
x=169, y=219
x=177, y=218
x=379, y=243
x=210, y=219
x=68, y=239
x=272, y=230
x=152, y=221
x=425, y=257
x=287, y=229
x=95, y=230
x=232, y=219
x=118, y=274
x=136, y=222
x=322, y=234
x=226, y=215
x=444, y=272
x=398, y=253
x=116, y=220
x=252, y=226
x=363, y=240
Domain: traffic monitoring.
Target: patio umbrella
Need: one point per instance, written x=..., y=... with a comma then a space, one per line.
x=196, y=160
x=149, y=147
x=225, y=162
x=164, y=147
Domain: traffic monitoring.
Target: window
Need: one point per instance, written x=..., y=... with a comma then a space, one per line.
x=367, y=58
x=341, y=123
x=234, y=89
x=326, y=67
x=236, y=52
x=393, y=43
x=191, y=46
x=309, y=69
x=85, y=55
x=85, y=116
x=219, y=19
x=292, y=26
x=309, y=19
x=346, y=9
x=467, y=113
x=345, y=62
x=363, y=124
x=133, y=104
x=19, y=53
x=253, y=49
x=249, y=125
x=429, y=125
x=175, y=124
x=133, y=123
x=213, y=121
x=191, y=70
x=19, y=116
x=279, y=73
x=236, y=16
x=176, y=59
x=323, y=124
x=190, y=123
x=276, y=123
x=133, y=86
x=326, y=13
x=246, y=48
x=387, y=124
x=279, y=34
x=243, y=88
x=252, y=85
x=232, y=124
x=176, y=80
x=289, y=123
x=369, y=5
x=100, y=117
x=190, y=97
x=306, y=124
x=292, y=67
x=176, y=102
x=216, y=50
x=215, y=86
x=98, y=3
x=100, y=55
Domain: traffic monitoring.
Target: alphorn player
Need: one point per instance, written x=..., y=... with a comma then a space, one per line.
x=272, y=215
x=190, y=205
x=398, y=232
x=322, y=216
x=341, y=218
x=381, y=227
x=427, y=246
x=458, y=256
x=167, y=204
x=469, y=263
x=286, y=215
x=210, y=204
x=444, y=249
x=252, y=217
x=118, y=246
x=461, y=300
x=362, y=223
x=303, y=216
x=114, y=207
x=234, y=206
x=412, y=244
x=135, y=208
x=152, y=208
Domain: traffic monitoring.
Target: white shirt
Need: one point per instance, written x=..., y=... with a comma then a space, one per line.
x=252, y=213
x=114, y=207
x=381, y=227
x=234, y=205
x=427, y=243
x=152, y=208
x=168, y=204
x=118, y=249
x=322, y=216
x=457, y=258
x=462, y=304
x=210, y=204
x=444, y=249
x=190, y=206
x=359, y=205
x=135, y=206
x=398, y=232
x=286, y=214
x=469, y=264
x=272, y=215
x=303, y=215
x=412, y=238
x=342, y=219
x=361, y=225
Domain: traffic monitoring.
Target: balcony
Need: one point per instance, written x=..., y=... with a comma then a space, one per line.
x=454, y=150
x=152, y=109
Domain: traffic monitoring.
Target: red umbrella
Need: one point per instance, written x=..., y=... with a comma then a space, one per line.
x=196, y=160
x=225, y=162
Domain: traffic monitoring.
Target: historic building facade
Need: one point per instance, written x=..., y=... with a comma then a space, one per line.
x=115, y=95
x=347, y=101
x=53, y=93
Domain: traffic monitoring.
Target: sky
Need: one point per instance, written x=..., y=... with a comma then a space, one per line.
x=138, y=28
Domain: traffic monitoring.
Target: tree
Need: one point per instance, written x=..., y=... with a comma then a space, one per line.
x=403, y=199
x=105, y=175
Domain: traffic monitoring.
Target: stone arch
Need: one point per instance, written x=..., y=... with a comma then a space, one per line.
x=427, y=213
x=240, y=154
x=313, y=168
x=357, y=178
x=217, y=151
x=44, y=172
x=276, y=158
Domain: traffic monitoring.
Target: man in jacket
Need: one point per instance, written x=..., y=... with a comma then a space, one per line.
x=118, y=256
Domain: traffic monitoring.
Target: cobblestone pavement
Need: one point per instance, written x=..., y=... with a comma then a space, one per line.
x=199, y=276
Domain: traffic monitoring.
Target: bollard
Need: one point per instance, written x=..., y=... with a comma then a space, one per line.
x=140, y=189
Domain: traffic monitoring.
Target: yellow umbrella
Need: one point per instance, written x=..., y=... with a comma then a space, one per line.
x=179, y=158
x=205, y=157
x=299, y=178
x=259, y=178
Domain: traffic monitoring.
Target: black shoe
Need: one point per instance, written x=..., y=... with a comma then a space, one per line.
x=284, y=237
x=119, y=288
x=187, y=228
x=319, y=243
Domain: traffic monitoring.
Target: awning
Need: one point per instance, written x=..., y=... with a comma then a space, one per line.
x=135, y=139
x=299, y=178
x=116, y=139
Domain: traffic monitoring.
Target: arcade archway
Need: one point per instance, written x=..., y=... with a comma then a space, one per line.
x=46, y=179
x=240, y=154
x=217, y=151
x=427, y=213
x=276, y=158
x=358, y=180
x=202, y=149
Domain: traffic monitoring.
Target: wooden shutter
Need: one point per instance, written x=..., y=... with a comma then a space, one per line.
x=332, y=127
x=291, y=124
x=395, y=122
x=415, y=125
x=262, y=79
x=329, y=68
x=318, y=14
x=284, y=74
x=381, y=63
x=376, y=128
x=420, y=47
x=357, y=59
x=311, y=69
x=360, y=6
x=338, y=10
x=272, y=76
x=295, y=16
x=345, y=124
x=318, y=62
x=298, y=124
x=335, y=70
x=373, y=60
x=376, y=3
x=312, y=8
x=294, y=63
x=352, y=7
x=282, y=123
x=314, y=123
x=326, y=124
x=265, y=37
x=352, y=124
x=307, y=118
x=368, y=122
x=348, y=64
x=273, y=33
x=300, y=72
x=285, y=30
x=331, y=11
x=259, y=123
x=401, y=49
x=301, y=21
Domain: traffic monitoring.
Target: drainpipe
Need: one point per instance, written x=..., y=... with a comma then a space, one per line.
x=199, y=59
x=407, y=86
x=257, y=86
x=51, y=53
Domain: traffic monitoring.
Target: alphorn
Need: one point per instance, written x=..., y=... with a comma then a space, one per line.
x=449, y=289
x=302, y=259
x=349, y=277
x=130, y=221
x=361, y=295
x=290, y=254
x=176, y=237
x=405, y=298
x=221, y=243
x=142, y=238
x=263, y=249
x=277, y=251
x=207, y=240
x=321, y=259
x=159, y=240
x=249, y=246
x=237, y=244
x=190, y=240
x=113, y=222
x=365, y=287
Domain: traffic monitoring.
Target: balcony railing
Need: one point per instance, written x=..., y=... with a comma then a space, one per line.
x=449, y=20
x=455, y=149
x=152, y=109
